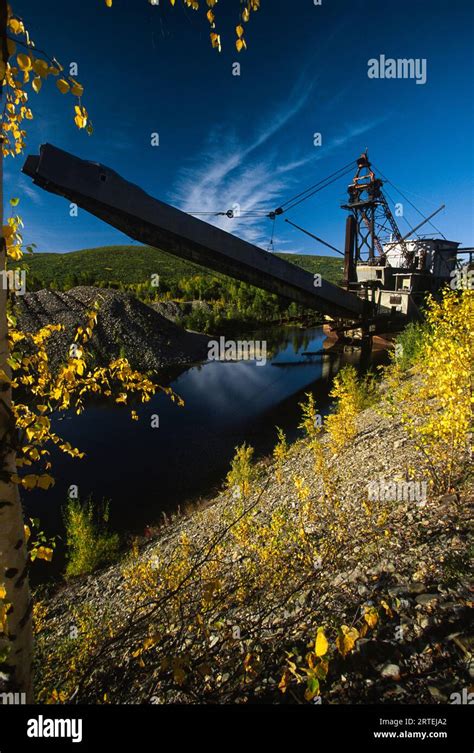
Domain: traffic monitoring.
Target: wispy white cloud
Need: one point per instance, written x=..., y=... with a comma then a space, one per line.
x=33, y=193
x=254, y=175
x=17, y=186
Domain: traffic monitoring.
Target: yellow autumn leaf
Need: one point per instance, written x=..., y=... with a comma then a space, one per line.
x=24, y=62
x=239, y=30
x=37, y=84
x=3, y=591
x=108, y=3
x=41, y=67
x=321, y=645
x=45, y=481
x=63, y=86
x=59, y=697
x=16, y=25
x=388, y=611
x=29, y=481
x=150, y=642
x=77, y=89
x=81, y=116
x=7, y=231
x=346, y=639
x=14, y=253
x=80, y=367
x=44, y=553
x=216, y=41
x=371, y=616
x=285, y=681
x=27, y=532
x=3, y=618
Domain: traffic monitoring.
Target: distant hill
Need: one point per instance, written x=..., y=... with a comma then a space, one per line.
x=329, y=267
x=135, y=264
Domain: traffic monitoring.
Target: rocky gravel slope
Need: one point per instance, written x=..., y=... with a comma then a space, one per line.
x=415, y=563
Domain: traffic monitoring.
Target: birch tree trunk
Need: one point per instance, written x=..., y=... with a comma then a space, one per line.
x=16, y=638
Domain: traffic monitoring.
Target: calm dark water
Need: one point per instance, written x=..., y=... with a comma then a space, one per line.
x=144, y=471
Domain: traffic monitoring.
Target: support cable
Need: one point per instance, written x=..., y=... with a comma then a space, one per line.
x=408, y=200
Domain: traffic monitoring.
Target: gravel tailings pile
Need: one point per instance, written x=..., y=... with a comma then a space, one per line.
x=174, y=311
x=125, y=326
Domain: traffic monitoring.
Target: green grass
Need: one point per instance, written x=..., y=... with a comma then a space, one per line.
x=135, y=264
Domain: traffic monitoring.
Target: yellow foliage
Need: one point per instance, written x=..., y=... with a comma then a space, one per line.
x=302, y=489
x=75, y=651
x=242, y=472
x=81, y=116
x=346, y=639
x=437, y=412
x=280, y=453
x=310, y=419
x=321, y=645
x=371, y=616
x=386, y=607
x=4, y=607
x=67, y=388
x=352, y=396
x=24, y=62
x=44, y=553
x=27, y=69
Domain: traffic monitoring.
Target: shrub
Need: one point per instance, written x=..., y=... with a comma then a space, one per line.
x=242, y=473
x=89, y=543
x=353, y=395
x=310, y=418
x=409, y=344
x=437, y=413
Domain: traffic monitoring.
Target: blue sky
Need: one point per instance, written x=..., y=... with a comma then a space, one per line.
x=248, y=139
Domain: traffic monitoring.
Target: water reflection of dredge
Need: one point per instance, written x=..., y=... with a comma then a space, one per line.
x=386, y=274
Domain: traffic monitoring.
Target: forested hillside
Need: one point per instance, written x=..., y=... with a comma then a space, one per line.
x=134, y=265
x=154, y=276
